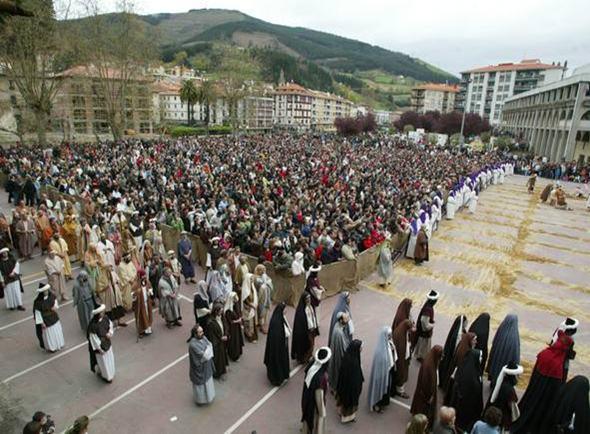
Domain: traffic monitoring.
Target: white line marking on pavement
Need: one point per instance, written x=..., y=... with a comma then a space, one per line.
x=184, y=297
x=57, y=356
x=137, y=386
x=260, y=403
x=44, y=362
x=42, y=278
x=30, y=317
x=401, y=404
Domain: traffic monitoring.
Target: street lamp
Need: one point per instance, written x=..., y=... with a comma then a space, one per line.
x=461, y=137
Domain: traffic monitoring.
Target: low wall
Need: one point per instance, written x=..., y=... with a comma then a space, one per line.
x=335, y=277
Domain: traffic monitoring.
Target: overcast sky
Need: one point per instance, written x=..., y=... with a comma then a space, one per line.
x=454, y=35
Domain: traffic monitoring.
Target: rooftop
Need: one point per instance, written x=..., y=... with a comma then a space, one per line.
x=92, y=71
x=523, y=65
x=292, y=88
x=437, y=87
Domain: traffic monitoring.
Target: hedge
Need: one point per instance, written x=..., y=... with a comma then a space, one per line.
x=180, y=131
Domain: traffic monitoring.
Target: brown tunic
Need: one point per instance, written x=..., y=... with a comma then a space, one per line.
x=402, y=313
x=421, y=251
x=142, y=308
x=400, y=340
x=545, y=192
x=425, y=395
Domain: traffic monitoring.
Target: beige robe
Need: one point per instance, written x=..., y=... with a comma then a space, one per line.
x=61, y=249
x=127, y=276
x=54, y=268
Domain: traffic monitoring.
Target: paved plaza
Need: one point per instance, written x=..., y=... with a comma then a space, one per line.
x=514, y=255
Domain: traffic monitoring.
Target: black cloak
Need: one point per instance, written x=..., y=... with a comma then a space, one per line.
x=200, y=303
x=100, y=327
x=350, y=379
x=467, y=395
x=536, y=403
x=300, y=342
x=571, y=400
x=276, y=353
x=49, y=316
x=308, y=403
x=449, y=350
x=481, y=328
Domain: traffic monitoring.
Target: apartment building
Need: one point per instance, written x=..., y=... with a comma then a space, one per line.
x=484, y=89
x=292, y=108
x=433, y=97
x=80, y=109
x=255, y=113
x=554, y=119
x=326, y=108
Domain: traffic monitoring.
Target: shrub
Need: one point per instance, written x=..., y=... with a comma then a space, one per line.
x=182, y=131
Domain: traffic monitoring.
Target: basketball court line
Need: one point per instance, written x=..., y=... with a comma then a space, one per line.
x=61, y=354
x=30, y=317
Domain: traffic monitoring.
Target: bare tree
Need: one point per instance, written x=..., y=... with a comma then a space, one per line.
x=30, y=54
x=117, y=50
x=236, y=70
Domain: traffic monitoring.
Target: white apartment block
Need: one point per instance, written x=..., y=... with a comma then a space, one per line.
x=255, y=113
x=326, y=108
x=383, y=117
x=433, y=97
x=483, y=90
x=168, y=108
x=554, y=120
x=292, y=107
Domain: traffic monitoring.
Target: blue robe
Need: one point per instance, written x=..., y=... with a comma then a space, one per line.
x=187, y=268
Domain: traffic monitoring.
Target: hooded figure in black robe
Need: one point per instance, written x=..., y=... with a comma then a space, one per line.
x=217, y=332
x=201, y=305
x=467, y=392
x=505, y=347
x=304, y=333
x=503, y=396
x=315, y=384
x=453, y=338
x=571, y=405
x=481, y=328
x=540, y=395
x=350, y=382
x=276, y=353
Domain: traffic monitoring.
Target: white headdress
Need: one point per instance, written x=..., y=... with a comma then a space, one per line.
x=516, y=370
x=317, y=364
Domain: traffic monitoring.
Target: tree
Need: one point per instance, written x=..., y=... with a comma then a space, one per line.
x=485, y=137
x=181, y=59
x=449, y=123
x=236, y=68
x=30, y=49
x=350, y=126
x=206, y=95
x=189, y=95
x=503, y=142
x=409, y=128
x=116, y=50
x=455, y=139
x=408, y=118
x=432, y=139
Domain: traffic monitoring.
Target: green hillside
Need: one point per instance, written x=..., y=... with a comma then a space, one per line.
x=182, y=31
x=211, y=39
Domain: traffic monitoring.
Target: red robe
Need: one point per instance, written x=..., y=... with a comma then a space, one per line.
x=551, y=361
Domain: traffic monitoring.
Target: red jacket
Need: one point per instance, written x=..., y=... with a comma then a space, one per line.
x=551, y=361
